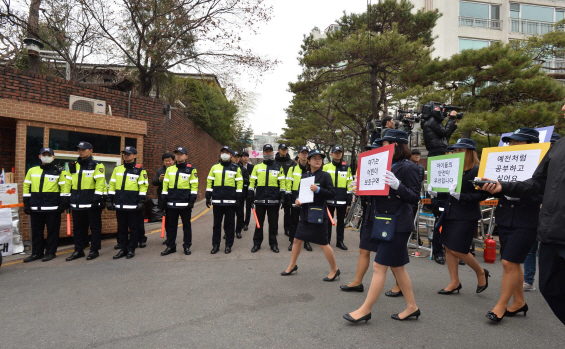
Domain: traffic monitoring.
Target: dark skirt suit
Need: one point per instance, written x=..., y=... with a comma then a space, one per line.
x=398, y=202
x=312, y=232
x=517, y=223
x=460, y=217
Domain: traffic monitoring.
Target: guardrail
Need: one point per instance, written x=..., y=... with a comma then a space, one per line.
x=528, y=27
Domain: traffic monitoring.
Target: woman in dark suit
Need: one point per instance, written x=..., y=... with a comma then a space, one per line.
x=404, y=193
x=517, y=221
x=313, y=225
x=460, y=220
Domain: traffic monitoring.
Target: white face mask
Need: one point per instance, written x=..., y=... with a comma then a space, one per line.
x=47, y=159
x=269, y=157
x=225, y=156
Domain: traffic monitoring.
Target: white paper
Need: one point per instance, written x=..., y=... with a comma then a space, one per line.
x=372, y=171
x=444, y=172
x=8, y=194
x=305, y=195
x=512, y=166
x=6, y=231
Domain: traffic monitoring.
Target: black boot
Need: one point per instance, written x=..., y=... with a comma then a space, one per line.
x=33, y=257
x=168, y=251
x=75, y=255
x=120, y=254
x=215, y=249
x=439, y=260
x=307, y=246
x=341, y=245
x=48, y=257
x=92, y=255
x=246, y=227
x=290, y=246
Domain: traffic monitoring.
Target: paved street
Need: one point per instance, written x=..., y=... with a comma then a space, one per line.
x=239, y=300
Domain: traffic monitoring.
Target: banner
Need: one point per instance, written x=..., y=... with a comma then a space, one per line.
x=512, y=163
x=6, y=236
x=544, y=135
x=371, y=170
x=8, y=194
x=444, y=171
x=256, y=154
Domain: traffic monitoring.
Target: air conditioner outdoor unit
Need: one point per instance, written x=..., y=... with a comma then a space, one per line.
x=87, y=105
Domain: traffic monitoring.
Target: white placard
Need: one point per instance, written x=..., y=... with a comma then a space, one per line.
x=512, y=166
x=8, y=194
x=444, y=172
x=305, y=195
x=372, y=171
x=6, y=237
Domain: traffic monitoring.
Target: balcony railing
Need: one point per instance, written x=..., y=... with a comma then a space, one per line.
x=528, y=27
x=558, y=66
x=494, y=24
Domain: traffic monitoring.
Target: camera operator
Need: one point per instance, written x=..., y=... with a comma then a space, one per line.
x=436, y=135
x=375, y=128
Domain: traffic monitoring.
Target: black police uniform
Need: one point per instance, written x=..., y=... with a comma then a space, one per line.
x=398, y=202
x=248, y=201
x=239, y=211
x=286, y=162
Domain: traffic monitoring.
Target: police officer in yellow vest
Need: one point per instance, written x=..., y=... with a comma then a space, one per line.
x=293, y=178
x=267, y=186
x=127, y=193
x=87, y=201
x=46, y=195
x=224, y=191
x=341, y=179
x=180, y=189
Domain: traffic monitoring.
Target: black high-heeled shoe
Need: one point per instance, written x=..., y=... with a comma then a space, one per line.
x=295, y=269
x=335, y=276
x=351, y=319
x=514, y=313
x=485, y=286
x=417, y=314
x=444, y=291
x=493, y=317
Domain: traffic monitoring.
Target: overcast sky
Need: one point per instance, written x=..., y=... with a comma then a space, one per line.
x=281, y=39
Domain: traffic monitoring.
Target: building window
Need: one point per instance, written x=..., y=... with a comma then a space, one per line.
x=472, y=44
x=479, y=15
x=34, y=143
x=68, y=140
x=131, y=142
x=533, y=20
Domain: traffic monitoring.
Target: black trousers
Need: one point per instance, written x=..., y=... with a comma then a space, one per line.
x=240, y=217
x=128, y=229
x=273, y=219
x=82, y=220
x=39, y=220
x=552, y=277
x=248, y=203
x=437, y=247
x=286, y=218
x=141, y=229
x=340, y=224
x=294, y=219
x=172, y=226
x=227, y=214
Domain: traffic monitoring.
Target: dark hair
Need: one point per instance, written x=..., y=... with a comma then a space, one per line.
x=401, y=152
x=167, y=156
x=296, y=158
x=385, y=119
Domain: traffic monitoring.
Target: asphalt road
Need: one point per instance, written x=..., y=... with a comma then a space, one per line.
x=240, y=300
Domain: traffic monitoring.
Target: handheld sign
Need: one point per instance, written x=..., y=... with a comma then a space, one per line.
x=513, y=163
x=544, y=135
x=444, y=170
x=371, y=171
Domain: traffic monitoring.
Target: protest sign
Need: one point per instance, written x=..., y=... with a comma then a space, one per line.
x=6, y=235
x=544, y=135
x=445, y=170
x=8, y=194
x=371, y=171
x=512, y=163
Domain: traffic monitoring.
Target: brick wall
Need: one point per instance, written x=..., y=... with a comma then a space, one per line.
x=25, y=96
x=164, y=133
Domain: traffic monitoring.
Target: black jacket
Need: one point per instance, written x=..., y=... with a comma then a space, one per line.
x=324, y=181
x=245, y=175
x=401, y=201
x=156, y=182
x=518, y=214
x=285, y=162
x=467, y=208
x=421, y=172
x=436, y=136
x=548, y=180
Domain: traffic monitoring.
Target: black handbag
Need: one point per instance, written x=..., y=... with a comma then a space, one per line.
x=384, y=226
x=316, y=214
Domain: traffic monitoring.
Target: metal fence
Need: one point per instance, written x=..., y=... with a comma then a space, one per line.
x=528, y=27
x=494, y=24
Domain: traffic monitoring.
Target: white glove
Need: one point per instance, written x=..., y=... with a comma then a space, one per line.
x=511, y=198
x=391, y=180
x=431, y=192
x=453, y=193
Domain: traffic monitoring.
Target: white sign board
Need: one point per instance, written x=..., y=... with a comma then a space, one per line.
x=8, y=194
x=372, y=170
x=512, y=166
x=6, y=244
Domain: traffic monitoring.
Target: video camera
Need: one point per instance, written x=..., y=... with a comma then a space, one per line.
x=408, y=119
x=439, y=111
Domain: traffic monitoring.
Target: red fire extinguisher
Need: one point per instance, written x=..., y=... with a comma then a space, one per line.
x=490, y=249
